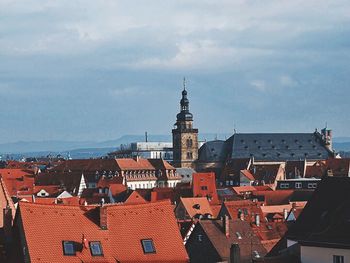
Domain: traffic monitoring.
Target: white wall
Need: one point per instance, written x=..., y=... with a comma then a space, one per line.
x=322, y=255
x=141, y=184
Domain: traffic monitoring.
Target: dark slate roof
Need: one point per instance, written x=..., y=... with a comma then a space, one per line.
x=278, y=146
x=213, y=151
x=325, y=220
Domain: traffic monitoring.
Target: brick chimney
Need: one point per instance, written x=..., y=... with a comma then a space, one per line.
x=103, y=217
x=235, y=254
x=7, y=221
x=226, y=225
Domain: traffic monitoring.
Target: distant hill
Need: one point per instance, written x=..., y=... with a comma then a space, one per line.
x=90, y=149
x=63, y=146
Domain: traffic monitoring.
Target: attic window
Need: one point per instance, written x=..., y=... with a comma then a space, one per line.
x=96, y=248
x=255, y=141
x=292, y=154
x=296, y=141
x=196, y=206
x=238, y=235
x=242, y=141
x=68, y=248
x=300, y=146
x=283, y=141
x=148, y=246
x=269, y=141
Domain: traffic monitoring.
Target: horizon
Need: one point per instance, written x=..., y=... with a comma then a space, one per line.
x=71, y=73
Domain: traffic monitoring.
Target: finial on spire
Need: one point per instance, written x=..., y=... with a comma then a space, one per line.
x=184, y=83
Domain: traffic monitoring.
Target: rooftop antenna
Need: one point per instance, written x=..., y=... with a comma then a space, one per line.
x=234, y=128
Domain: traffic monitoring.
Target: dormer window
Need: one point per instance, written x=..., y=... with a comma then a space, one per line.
x=148, y=246
x=68, y=248
x=96, y=248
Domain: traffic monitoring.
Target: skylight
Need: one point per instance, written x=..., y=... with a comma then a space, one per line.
x=96, y=248
x=68, y=248
x=148, y=246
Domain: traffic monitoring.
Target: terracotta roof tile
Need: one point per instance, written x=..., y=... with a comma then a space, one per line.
x=127, y=225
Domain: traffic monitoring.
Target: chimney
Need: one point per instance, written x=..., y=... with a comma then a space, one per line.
x=257, y=220
x=285, y=214
x=103, y=217
x=146, y=137
x=7, y=221
x=235, y=255
x=226, y=225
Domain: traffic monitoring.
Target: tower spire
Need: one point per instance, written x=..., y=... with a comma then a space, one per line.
x=184, y=83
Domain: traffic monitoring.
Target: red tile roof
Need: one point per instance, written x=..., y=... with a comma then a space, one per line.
x=196, y=206
x=18, y=181
x=126, y=225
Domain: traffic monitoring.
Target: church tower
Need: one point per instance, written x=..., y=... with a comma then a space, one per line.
x=185, y=138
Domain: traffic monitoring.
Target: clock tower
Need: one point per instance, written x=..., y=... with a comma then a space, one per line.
x=185, y=137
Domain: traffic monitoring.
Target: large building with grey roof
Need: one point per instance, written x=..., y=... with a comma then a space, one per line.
x=265, y=148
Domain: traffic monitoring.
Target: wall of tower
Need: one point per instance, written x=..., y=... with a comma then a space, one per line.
x=185, y=147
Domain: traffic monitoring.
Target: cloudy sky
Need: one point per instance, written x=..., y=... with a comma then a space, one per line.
x=96, y=70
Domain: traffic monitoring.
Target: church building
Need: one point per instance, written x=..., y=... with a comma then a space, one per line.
x=185, y=137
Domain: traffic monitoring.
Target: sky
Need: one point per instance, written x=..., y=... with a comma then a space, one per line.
x=97, y=70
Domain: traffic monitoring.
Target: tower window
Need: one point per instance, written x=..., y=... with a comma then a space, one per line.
x=189, y=155
x=189, y=143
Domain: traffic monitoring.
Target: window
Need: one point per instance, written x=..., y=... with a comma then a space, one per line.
x=200, y=238
x=284, y=185
x=204, y=187
x=68, y=248
x=312, y=185
x=189, y=155
x=95, y=248
x=338, y=259
x=298, y=185
x=148, y=246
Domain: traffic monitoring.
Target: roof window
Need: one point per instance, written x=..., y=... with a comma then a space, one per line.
x=239, y=236
x=68, y=248
x=96, y=248
x=148, y=246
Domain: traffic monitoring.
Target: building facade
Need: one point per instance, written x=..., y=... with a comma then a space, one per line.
x=185, y=137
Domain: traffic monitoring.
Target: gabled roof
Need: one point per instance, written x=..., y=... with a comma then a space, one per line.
x=196, y=206
x=18, y=181
x=135, y=198
x=246, y=207
x=127, y=225
x=325, y=220
x=132, y=164
x=248, y=174
x=277, y=197
x=339, y=167
x=240, y=233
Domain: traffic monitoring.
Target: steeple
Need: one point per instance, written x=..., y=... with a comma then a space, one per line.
x=185, y=137
x=184, y=114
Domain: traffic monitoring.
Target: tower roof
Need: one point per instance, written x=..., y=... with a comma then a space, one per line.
x=184, y=114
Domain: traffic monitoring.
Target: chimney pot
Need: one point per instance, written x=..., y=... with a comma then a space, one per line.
x=103, y=217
